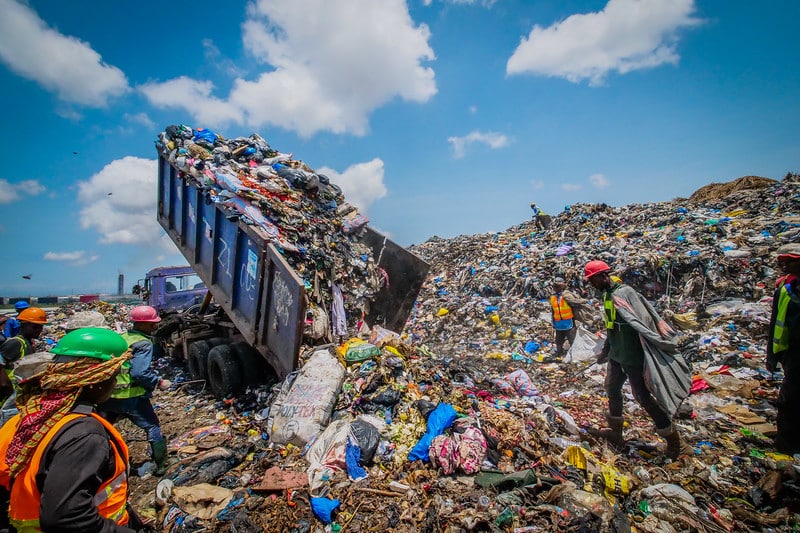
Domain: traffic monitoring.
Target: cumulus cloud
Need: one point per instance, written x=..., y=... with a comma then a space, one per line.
x=362, y=183
x=59, y=63
x=599, y=181
x=491, y=139
x=11, y=192
x=317, y=76
x=77, y=258
x=484, y=3
x=119, y=202
x=571, y=186
x=626, y=35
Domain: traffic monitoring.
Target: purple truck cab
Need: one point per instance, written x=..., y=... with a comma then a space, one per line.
x=172, y=288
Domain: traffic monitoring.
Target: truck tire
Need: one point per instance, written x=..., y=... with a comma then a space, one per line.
x=198, y=359
x=250, y=361
x=224, y=371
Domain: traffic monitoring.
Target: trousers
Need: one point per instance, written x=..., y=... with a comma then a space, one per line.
x=616, y=375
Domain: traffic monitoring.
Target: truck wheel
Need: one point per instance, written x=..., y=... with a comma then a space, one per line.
x=198, y=359
x=224, y=371
x=217, y=341
x=250, y=361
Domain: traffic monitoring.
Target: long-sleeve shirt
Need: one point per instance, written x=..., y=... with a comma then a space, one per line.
x=142, y=373
x=75, y=464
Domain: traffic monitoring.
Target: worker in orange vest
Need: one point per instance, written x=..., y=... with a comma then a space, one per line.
x=563, y=315
x=62, y=467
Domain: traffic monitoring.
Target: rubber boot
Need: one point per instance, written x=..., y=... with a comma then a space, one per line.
x=158, y=450
x=676, y=446
x=612, y=434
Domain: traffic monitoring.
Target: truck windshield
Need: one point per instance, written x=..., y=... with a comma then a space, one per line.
x=183, y=283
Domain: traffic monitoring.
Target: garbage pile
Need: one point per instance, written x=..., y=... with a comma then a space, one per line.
x=286, y=202
x=466, y=422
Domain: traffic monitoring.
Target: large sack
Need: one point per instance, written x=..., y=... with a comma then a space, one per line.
x=301, y=412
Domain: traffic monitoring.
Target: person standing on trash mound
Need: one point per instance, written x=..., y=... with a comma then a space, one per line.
x=135, y=385
x=784, y=347
x=62, y=467
x=625, y=355
x=563, y=316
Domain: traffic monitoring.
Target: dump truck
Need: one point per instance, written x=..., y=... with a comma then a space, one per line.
x=237, y=313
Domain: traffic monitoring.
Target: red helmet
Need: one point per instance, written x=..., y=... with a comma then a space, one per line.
x=595, y=267
x=144, y=313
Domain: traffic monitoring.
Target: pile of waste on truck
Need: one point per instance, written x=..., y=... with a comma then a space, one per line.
x=289, y=204
x=465, y=421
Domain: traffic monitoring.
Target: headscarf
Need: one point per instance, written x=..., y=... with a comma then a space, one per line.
x=48, y=396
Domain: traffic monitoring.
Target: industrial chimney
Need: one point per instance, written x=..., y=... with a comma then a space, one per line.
x=121, y=285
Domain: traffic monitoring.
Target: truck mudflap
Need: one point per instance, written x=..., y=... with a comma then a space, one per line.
x=245, y=274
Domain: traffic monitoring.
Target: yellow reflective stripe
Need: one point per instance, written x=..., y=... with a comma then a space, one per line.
x=26, y=526
x=610, y=311
x=105, y=494
x=780, y=334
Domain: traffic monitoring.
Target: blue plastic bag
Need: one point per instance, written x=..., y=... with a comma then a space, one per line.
x=323, y=508
x=440, y=419
x=352, y=459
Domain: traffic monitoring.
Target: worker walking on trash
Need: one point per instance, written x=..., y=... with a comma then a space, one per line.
x=62, y=467
x=537, y=216
x=32, y=321
x=12, y=326
x=632, y=325
x=563, y=315
x=135, y=385
x=784, y=347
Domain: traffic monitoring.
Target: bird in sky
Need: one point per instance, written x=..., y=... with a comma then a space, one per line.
x=27, y=276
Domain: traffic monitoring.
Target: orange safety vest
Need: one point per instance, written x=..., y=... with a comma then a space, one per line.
x=561, y=309
x=111, y=498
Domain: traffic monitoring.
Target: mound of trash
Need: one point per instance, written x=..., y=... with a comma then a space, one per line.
x=465, y=421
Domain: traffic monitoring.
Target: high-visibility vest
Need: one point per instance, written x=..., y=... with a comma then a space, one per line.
x=562, y=312
x=22, y=352
x=780, y=334
x=111, y=499
x=125, y=387
x=610, y=310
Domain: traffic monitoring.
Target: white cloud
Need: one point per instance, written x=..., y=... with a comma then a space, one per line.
x=361, y=183
x=11, y=192
x=599, y=181
x=537, y=184
x=139, y=118
x=473, y=109
x=195, y=96
x=491, y=139
x=571, y=186
x=128, y=214
x=323, y=72
x=627, y=35
x=59, y=63
x=77, y=258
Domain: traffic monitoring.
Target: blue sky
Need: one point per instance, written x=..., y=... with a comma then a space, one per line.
x=436, y=117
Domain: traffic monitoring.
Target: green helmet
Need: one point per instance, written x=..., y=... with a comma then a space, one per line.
x=99, y=343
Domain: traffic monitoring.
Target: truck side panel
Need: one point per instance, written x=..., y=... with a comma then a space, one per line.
x=238, y=267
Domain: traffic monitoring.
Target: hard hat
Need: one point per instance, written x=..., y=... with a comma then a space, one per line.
x=20, y=305
x=144, y=313
x=789, y=251
x=91, y=342
x=595, y=267
x=86, y=319
x=35, y=315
